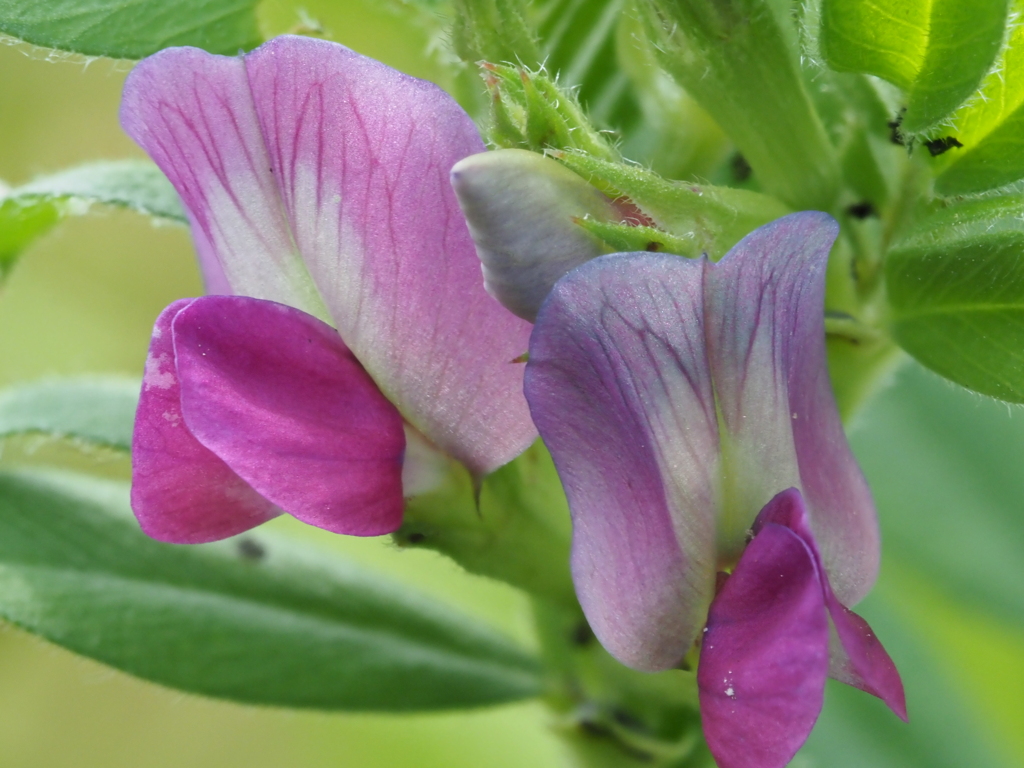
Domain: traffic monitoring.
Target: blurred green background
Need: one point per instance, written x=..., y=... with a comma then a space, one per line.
x=946, y=468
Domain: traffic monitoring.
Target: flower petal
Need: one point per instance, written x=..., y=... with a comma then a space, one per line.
x=194, y=114
x=618, y=386
x=764, y=657
x=181, y=491
x=766, y=343
x=857, y=656
x=520, y=207
x=363, y=154
x=278, y=396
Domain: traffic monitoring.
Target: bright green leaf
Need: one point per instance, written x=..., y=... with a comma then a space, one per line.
x=32, y=210
x=990, y=127
x=937, y=51
x=256, y=619
x=956, y=290
x=132, y=29
x=92, y=410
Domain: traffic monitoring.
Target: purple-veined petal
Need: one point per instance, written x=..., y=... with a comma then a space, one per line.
x=764, y=658
x=194, y=114
x=857, y=656
x=181, y=491
x=521, y=209
x=278, y=396
x=319, y=178
x=766, y=342
x=618, y=386
x=363, y=155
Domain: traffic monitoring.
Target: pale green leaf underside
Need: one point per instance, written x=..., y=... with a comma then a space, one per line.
x=937, y=51
x=92, y=410
x=132, y=29
x=259, y=620
x=956, y=292
x=32, y=210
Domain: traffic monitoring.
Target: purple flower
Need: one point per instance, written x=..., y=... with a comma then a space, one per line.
x=681, y=398
x=316, y=183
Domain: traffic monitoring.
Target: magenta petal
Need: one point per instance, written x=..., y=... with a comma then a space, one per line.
x=618, y=385
x=181, y=491
x=279, y=397
x=764, y=658
x=857, y=657
x=363, y=154
x=765, y=301
x=313, y=174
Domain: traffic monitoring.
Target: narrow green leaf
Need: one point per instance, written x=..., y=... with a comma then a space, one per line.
x=93, y=410
x=32, y=210
x=990, y=127
x=956, y=290
x=132, y=29
x=937, y=51
x=256, y=619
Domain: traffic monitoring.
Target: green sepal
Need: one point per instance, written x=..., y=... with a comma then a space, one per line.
x=740, y=60
x=256, y=619
x=30, y=211
x=937, y=51
x=955, y=285
x=625, y=238
x=90, y=410
x=513, y=525
x=707, y=219
x=132, y=30
x=530, y=111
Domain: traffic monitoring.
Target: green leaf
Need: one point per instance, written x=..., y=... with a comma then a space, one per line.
x=256, y=619
x=32, y=210
x=132, y=29
x=944, y=467
x=956, y=290
x=93, y=410
x=937, y=51
x=990, y=127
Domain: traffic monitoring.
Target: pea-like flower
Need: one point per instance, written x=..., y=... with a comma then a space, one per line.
x=689, y=413
x=347, y=306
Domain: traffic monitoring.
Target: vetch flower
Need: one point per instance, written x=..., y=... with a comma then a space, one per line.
x=687, y=406
x=316, y=183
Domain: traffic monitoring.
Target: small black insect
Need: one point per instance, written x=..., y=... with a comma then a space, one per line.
x=582, y=634
x=741, y=169
x=250, y=549
x=938, y=146
x=416, y=538
x=862, y=209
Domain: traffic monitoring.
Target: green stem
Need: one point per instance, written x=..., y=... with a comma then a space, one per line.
x=608, y=715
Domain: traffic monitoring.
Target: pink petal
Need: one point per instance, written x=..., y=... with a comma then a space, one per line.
x=618, y=385
x=857, y=657
x=319, y=178
x=277, y=395
x=766, y=342
x=363, y=155
x=193, y=113
x=182, y=492
x=764, y=657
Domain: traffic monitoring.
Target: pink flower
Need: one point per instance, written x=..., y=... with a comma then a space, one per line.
x=316, y=183
x=688, y=408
